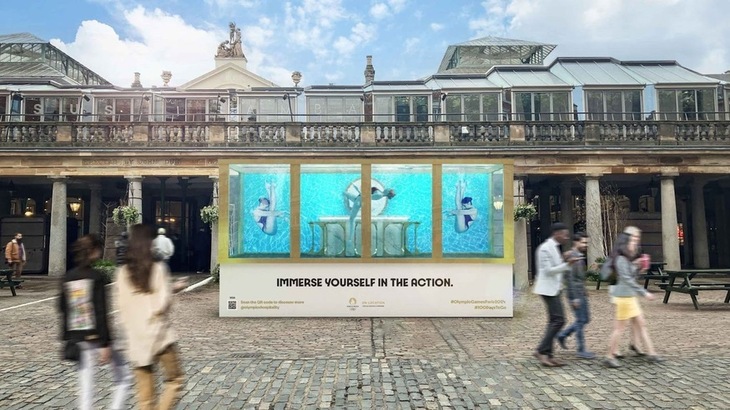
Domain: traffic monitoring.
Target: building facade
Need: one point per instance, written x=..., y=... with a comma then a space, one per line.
x=596, y=142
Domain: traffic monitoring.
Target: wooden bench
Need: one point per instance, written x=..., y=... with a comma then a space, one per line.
x=6, y=279
x=693, y=288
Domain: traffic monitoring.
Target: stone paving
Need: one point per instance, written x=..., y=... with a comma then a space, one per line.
x=387, y=363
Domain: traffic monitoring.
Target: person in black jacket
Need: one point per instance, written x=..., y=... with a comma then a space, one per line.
x=84, y=316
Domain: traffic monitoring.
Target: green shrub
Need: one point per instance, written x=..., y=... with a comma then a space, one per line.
x=107, y=268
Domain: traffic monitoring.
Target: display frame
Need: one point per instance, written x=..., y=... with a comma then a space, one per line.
x=366, y=164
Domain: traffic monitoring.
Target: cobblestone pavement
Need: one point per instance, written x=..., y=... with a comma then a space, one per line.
x=384, y=363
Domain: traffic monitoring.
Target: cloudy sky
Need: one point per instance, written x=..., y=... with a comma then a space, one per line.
x=327, y=40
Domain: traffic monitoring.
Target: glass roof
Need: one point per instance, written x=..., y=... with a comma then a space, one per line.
x=593, y=71
x=479, y=55
x=524, y=76
x=665, y=72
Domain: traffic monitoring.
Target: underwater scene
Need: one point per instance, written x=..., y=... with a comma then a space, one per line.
x=330, y=206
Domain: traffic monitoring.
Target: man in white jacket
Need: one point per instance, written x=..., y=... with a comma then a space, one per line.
x=551, y=265
x=162, y=246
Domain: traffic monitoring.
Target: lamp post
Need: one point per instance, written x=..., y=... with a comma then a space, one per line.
x=296, y=77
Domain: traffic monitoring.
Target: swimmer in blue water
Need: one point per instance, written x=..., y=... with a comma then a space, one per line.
x=265, y=213
x=356, y=199
x=465, y=212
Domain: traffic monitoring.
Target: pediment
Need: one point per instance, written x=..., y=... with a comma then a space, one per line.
x=228, y=75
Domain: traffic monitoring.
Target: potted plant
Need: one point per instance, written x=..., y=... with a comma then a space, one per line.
x=124, y=215
x=526, y=211
x=209, y=214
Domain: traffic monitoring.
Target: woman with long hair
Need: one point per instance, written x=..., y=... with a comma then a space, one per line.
x=83, y=305
x=628, y=264
x=145, y=299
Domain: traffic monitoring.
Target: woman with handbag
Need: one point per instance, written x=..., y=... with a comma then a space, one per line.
x=83, y=305
x=145, y=298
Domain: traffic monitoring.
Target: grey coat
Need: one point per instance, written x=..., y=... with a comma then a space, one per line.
x=575, y=280
x=626, y=272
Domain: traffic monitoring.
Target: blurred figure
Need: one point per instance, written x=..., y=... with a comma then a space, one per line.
x=162, y=246
x=201, y=247
x=145, y=301
x=83, y=305
x=121, y=245
x=627, y=263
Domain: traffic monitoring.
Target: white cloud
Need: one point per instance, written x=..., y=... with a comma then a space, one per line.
x=163, y=42
x=638, y=29
x=380, y=11
x=225, y=4
x=361, y=33
x=437, y=26
x=397, y=5
x=310, y=25
x=411, y=44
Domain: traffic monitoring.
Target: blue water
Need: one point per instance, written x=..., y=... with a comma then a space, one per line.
x=255, y=241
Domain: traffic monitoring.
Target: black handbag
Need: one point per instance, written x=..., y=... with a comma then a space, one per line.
x=72, y=350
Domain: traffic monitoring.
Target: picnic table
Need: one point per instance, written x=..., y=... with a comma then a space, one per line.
x=6, y=279
x=720, y=277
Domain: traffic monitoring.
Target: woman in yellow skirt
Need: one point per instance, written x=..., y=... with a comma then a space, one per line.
x=628, y=264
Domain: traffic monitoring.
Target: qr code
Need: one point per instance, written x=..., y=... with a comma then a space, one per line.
x=232, y=305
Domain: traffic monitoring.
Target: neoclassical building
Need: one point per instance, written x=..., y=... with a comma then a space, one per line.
x=595, y=141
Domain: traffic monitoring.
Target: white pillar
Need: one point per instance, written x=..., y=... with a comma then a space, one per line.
x=521, y=267
x=134, y=194
x=594, y=223
x=214, y=229
x=95, y=208
x=59, y=213
x=670, y=241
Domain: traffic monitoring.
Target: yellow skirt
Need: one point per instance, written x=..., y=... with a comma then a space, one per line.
x=627, y=307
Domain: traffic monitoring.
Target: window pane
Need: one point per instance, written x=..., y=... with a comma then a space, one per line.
x=123, y=109
x=267, y=106
x=688, y=104
x=453, y=107
x=175, y=109
x=383, y=110
x=403, y=109
x=632, y=105
x=354, y=109
x=70, y=108
x=560, y=107
x=523, y=106
x=490, y=106
x=667, y=104
x=471, y=107
x=249, y=108
x=3, y=107
x=542, y=106
x=706, y=103
x=613, y=105
x=33, y=108
x=51, y=109
x=334, y=109
x=195, y=110
x=316, y=109
x=421, y=108
x=594, y=101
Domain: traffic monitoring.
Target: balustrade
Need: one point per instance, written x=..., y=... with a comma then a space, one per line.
x=93, y=133
x=404, y=134
x=620, y=132
x=331, y=134
x=555, y=132
x=18, y=133
x=707, y=132
x=264, y=134
x=180, y=133
x=491, y=133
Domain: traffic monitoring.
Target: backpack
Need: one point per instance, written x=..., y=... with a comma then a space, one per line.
x=608, y=273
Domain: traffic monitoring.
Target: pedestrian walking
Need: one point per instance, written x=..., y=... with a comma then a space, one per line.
x=145, y=301
x=162, y=246
x=83, y=305
x=15, y=256
x=551, y=266
x=578, y=297
x=627, y=263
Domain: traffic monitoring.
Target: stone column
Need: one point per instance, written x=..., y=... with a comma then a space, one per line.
x=722, y=201
x=95, y=208
x=214, y=229
x=670, y=242
x=594, y=223
x=566, y=205
x=134, y=194
x=521, y=267
x=700, y=248
x=59, y=214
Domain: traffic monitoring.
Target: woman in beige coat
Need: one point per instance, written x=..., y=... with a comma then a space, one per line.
x=145, y=297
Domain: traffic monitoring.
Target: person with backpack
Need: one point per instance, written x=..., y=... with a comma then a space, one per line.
x=578, y=297
x=85, y=322
x=627, y=264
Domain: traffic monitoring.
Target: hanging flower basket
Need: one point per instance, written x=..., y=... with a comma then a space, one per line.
x=209, y=214
x=125, y=215
x=526, y=211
